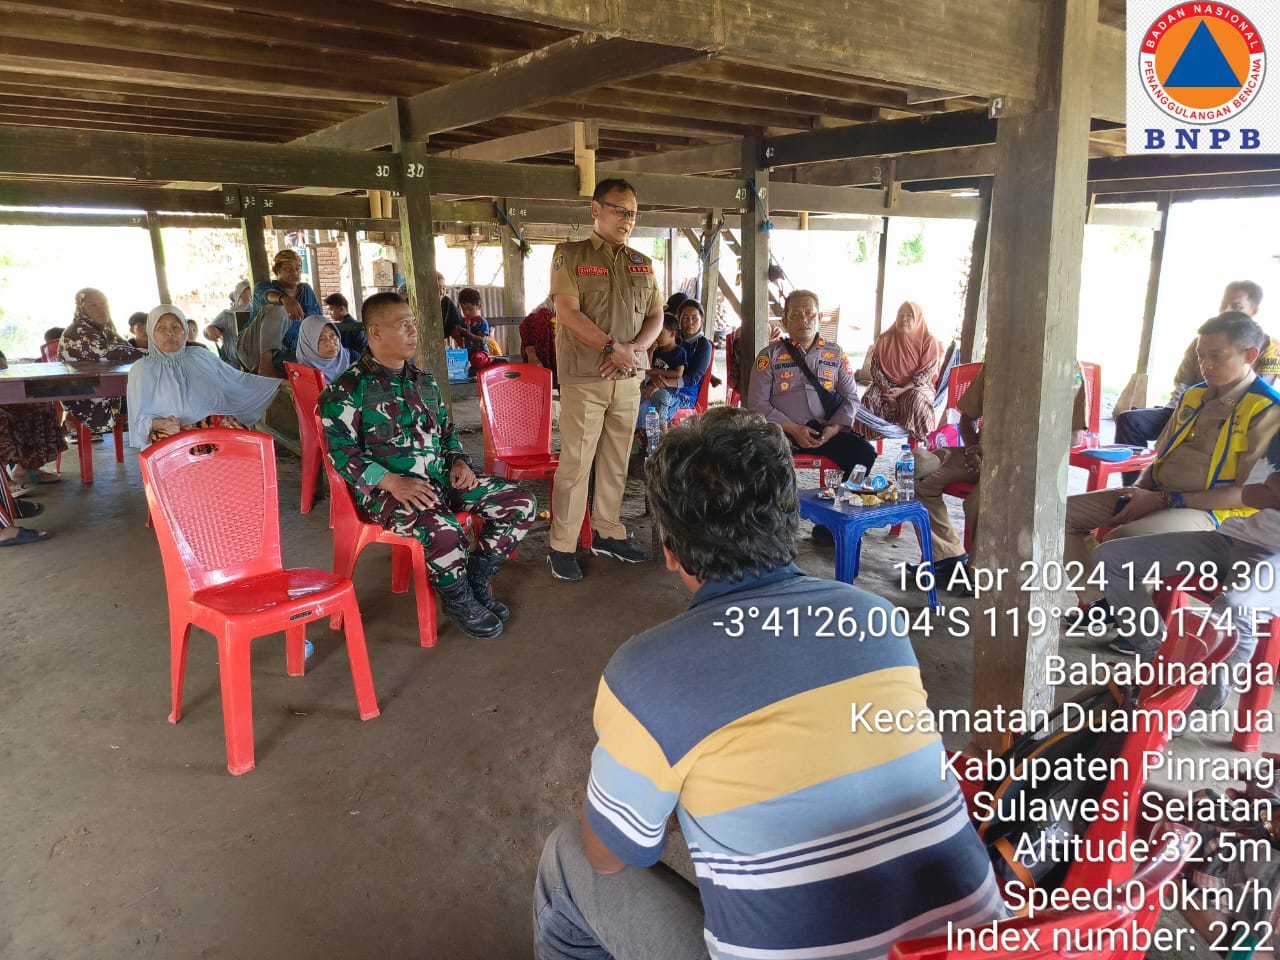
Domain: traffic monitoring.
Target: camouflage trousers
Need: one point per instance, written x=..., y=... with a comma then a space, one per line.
x=505, y=512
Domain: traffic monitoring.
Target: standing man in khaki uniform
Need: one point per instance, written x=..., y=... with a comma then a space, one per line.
x=610, y=312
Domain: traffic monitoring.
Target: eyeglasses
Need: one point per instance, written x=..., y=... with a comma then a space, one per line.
x=623, y=212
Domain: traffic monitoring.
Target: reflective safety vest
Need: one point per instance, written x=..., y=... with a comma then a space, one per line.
x=1233, y=438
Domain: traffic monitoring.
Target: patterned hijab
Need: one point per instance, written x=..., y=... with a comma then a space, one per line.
x=903, y=354
x=190, y=385
x=309, y=349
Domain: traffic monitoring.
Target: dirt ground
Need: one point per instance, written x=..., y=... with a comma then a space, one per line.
x=412, y=835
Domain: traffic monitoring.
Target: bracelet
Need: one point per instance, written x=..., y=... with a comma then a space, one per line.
x=1172, y=500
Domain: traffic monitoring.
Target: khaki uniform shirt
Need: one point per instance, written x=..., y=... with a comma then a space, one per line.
x=781, y=391
x=615, y=289
x=970, y=402
x=1187, y=466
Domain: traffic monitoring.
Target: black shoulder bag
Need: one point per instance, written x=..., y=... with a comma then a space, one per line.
x=831, y=399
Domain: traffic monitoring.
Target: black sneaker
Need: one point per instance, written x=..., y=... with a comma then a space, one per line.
x=623, y=550
x=564, y=565
x=1123, y=645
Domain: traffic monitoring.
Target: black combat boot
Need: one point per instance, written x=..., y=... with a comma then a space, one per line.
x=471, y=616
x=479, y=572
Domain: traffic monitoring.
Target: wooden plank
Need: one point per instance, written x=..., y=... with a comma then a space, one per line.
x=754, y=332
x=60, y=59
x=753, y=98
x=1153, y=285
x=711, y=159
x=619, y=118
x=520, y=146
x=973, y=327
x=114, y=196
x=1037, y=240
x=157, y=257
x=882, y=262
x=1105, y=216
x=254, y=230
x=159, y=128
x=936, y=165
x=938, y=132
x=478, y=178
x=659, y=188
x=983, y=46
x=29, y=218
x=861, y=200
x=561, y=70
x=149, y=157
x=353, y=257
x=1159, y=185
x=512, y=271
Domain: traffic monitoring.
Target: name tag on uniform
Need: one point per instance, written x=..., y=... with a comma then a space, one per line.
x=639, y=269
x=593, y=271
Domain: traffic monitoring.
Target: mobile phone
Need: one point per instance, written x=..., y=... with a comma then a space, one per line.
x=1121, y=503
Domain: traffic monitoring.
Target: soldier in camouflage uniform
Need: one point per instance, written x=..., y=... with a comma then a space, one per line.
x=390, y=436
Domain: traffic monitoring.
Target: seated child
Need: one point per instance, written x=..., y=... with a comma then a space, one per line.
x=661, y=386
x=474, y=329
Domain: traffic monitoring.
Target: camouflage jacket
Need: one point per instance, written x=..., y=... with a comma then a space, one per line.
x=378, y=423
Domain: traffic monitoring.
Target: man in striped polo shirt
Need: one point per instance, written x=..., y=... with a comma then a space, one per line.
x=809, y=839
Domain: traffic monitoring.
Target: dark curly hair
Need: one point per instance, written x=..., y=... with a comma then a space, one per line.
x=723, y=490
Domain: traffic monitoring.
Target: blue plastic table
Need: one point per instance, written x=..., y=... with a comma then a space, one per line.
x=847, y=525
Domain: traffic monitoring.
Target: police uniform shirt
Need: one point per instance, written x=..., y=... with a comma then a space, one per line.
x=616, y=289
x=781, y=391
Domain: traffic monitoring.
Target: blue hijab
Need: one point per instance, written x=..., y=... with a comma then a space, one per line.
x=309, y=348
x=190, y=385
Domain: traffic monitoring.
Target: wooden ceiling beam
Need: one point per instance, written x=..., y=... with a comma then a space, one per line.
x=732, y=94
x=260, y=54
x=160, y=130
x=47, y=58
x=640, y=120
x=561, y=70
x=72, y=87
x=87, y=100
x=267, y=127
x=1264, y=178
x=711, y=159
x=521, y=146
x=606, y=100
x=298, y=40
x=145, y=157
x=782, y=81
x=983, y=47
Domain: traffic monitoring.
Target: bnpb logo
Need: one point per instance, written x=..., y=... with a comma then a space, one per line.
x=1202, y=63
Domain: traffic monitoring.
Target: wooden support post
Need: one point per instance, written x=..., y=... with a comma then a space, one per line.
x=1153, y=284
x=754, y=332
x=586, y=138
x=512, y=269
x=669, y=282
x=255, y=241
x=357, y=282
x=882, y=258
x=471, y=266
x=1037, y=242
x=710, y=273
x=417, y=252
x=157, y=255
x=973, y=326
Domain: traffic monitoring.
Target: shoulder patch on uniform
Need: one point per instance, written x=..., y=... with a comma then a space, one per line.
x=637, y=258
x=593, y=271
x=557, y=261
x=641, y=269
x=762, y=364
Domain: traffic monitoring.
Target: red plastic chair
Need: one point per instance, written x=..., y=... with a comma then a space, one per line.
x=515, y=423
x=218, y=524
x=307, y=384
x=704, y=395
x=352, y=533
x=84, y=439
x=1101, y=471
x=1062, y=934
x=1171, y=601
x=962, y=377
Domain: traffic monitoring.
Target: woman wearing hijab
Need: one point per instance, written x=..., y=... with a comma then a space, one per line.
x=904, y=363
x=320, y=346
x=92, y=337
x=174, y=389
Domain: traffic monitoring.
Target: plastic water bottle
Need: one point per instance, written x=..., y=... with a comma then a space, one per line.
x=652, y=431
x=905, y=474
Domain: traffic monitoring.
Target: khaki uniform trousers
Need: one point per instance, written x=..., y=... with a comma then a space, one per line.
x=1086, y=511
x=935, y=471
x=597, y=424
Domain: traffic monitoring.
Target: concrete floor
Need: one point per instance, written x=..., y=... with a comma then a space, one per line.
x=413, y=835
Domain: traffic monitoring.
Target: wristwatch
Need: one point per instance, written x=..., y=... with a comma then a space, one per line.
x=608, y=347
